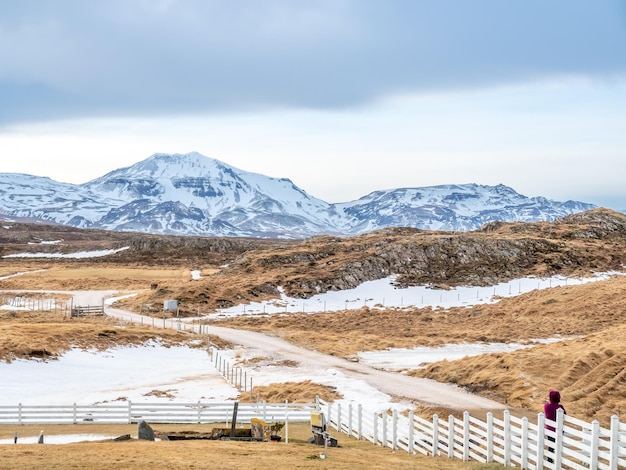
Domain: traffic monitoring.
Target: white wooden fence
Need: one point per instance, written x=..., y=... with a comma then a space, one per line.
x=511, y=441
x=167, y=412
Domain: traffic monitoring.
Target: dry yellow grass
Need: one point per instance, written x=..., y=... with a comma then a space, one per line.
x=223, y=455
x=69, y=277
x=294, y=392
x=45, y=336
x=588, y=371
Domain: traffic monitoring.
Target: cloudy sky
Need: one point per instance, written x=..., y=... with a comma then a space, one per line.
x=343, y=97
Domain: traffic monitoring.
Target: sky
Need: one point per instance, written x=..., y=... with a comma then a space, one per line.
x=344, y=97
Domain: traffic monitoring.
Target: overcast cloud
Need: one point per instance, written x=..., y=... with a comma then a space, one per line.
x=271, y=84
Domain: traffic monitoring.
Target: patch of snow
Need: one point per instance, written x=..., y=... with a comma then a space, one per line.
x=398, y=359
x=382, y=293
x=21, y=274
x=57, y=438
x=124, y=373
x=80, y=254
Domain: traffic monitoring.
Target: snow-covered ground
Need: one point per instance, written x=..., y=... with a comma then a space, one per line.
x=75, y=255
x=382, y=293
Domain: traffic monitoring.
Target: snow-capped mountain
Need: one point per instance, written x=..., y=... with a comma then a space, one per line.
x=38, y=197
x=189, y=194
x=453, y=207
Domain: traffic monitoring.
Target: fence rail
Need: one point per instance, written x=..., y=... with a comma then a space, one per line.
x=510, y=441
x=86, y=310
x=131, y=412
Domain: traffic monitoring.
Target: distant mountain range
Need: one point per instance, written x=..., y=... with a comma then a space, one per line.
x=190, y=194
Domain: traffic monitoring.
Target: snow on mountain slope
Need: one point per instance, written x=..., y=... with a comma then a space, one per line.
x=205, y=195
x=189, y=194
x=453, y=207
x=24, y=195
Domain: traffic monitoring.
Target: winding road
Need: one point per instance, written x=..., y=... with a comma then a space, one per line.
x=395, y=384
x=422, y=390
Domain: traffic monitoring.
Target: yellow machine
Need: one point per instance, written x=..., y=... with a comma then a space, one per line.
x=318, y=427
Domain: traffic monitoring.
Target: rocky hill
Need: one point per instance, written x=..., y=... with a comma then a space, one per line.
x=248, y=268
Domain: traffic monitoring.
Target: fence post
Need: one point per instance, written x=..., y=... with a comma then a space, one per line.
x=466, y=435
x=524, y=442
x=339, y=417
x=489, y=437
x=350, y=420
x=286, y=422
x=385, y=428
x=614, y=442
x=329, y=410
x=507, y=438
x=558, y=439
x=74, y=413
x=375, y=428
x=130, y=414
x=199, y=413
x=435, y=446
x=394, y=430
x=541, y=436
x=450, y=436
x=411, y=431
x=19, y=414
x=594, y=443
x=360, y=421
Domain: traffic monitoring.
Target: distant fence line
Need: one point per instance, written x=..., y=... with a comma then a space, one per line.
x=66, y=307
x=455, y=297
x=26, y=303
x=510, y=441
x=458, y=297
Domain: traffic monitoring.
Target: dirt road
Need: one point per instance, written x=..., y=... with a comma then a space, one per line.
x=395, y=384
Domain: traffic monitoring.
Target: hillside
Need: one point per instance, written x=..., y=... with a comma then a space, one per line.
x=587, y=365
x=576, y=245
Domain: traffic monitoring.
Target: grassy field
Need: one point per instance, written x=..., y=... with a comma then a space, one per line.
x=202, y=454
x=84, y=277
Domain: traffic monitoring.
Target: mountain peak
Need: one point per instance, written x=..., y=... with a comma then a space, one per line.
x=190, y=194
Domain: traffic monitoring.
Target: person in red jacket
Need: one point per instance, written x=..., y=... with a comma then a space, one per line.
x=550, y=409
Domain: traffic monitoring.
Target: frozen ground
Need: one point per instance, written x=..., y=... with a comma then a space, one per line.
x=382, y=293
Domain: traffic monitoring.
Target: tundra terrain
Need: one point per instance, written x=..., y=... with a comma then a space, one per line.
x=587, y=364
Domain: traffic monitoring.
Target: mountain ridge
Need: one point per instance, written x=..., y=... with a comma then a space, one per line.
x=190, y=194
